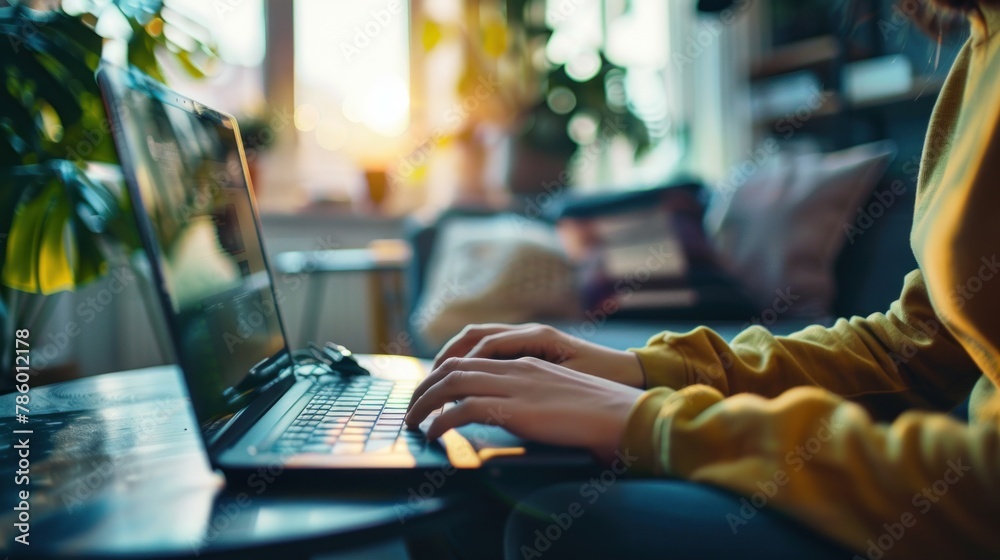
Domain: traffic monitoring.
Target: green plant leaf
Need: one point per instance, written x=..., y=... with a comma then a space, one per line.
x=13, y=185
x=50, y=88
x=20, y=131
x=142, y=52
x=95, y=206
x=24, y=244
x=55, y=220
x=50, y=246
x=79, y=32
x=57, y=251
x=90, y=263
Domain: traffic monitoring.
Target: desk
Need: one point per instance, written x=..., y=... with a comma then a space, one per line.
x=117, y=469
x=384, y=261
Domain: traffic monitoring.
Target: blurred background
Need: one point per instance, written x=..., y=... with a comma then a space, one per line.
x=616, y=167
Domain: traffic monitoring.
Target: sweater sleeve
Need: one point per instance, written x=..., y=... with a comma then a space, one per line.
x=917, y=487
x=888, y=362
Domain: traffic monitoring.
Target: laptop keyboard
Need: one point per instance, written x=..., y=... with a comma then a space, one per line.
x=354, y=415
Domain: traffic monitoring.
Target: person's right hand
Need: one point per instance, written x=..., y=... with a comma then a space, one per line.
x=498, y=341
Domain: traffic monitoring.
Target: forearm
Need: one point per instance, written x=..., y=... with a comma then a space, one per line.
x=822, y=460
x=892, y=360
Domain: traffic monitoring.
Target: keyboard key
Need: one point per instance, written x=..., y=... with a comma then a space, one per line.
x=390, y=435
x=353, y=415
x=348, y=448
x=379, y=446
x=330, y=433
x=355, y=431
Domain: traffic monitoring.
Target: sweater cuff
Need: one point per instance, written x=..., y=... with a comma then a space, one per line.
x=640, y=440
x=663, y=365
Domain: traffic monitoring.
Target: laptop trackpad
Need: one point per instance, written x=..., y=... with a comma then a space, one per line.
x=496, y=445
x=483, y=436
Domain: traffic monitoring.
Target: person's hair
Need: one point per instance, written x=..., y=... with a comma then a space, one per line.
x=940, y=17
x=961, y=5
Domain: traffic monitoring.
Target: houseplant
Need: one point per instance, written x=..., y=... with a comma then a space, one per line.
x=549, y=95
x=60, y=225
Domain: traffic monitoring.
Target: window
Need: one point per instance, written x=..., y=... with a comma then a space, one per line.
x=237, y=28
x=352, y=92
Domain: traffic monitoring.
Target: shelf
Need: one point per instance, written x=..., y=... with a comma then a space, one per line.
x=797, y=56
x=924, y=88
x=831, y=106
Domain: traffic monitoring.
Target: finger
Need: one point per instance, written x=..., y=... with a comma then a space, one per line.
x=457, y=385
x=470, y=410
x=450, y=365
x=464, y=341
x=539, y=341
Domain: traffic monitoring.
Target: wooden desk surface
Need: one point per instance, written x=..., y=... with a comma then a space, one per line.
x=117, y=469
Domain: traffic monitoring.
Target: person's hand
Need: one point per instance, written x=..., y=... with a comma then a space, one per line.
x=499, y=341
x=529, y=397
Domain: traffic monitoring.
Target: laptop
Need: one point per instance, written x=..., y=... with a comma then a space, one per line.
x=258, y=403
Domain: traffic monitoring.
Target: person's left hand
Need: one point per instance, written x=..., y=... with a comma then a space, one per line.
x=529, y=397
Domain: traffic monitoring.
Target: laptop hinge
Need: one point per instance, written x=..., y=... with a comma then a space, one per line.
x=246, y=417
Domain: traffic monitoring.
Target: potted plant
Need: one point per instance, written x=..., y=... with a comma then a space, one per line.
x=543, y=140
x=258, y=136
x=63, y=217
x=537, y=100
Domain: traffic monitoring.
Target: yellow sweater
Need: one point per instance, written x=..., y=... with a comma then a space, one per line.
x=844, y=428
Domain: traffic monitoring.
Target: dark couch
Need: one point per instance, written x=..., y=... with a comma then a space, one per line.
x=869, y=274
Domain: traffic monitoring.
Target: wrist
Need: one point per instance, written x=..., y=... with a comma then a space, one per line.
x=630, y=370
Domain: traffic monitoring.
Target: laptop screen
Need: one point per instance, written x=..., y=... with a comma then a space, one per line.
x=200, y=226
